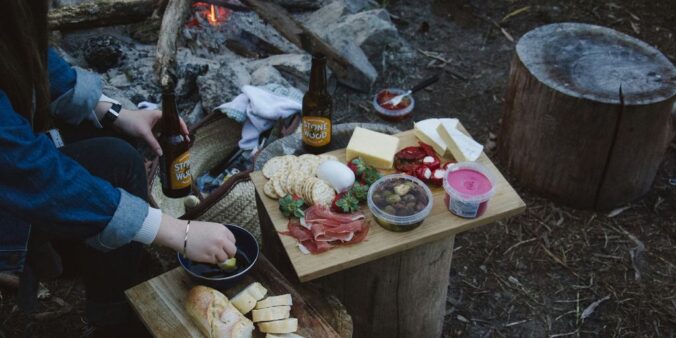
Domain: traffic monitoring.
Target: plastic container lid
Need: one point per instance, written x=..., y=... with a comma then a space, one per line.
x=394, y=219
x=470, y=182
x=395, y=112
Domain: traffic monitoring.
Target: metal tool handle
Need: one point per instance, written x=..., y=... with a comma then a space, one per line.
x=424, y=83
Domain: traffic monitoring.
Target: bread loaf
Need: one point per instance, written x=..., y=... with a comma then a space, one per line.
x=279, y=326
x=214, y=314
x=283, y=300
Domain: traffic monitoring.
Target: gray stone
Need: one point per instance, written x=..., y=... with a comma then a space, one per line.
x=268, y=74
x=298, y=63
x=326, y=16
x=118, y=95
x=355, y=6
x=371, y=30
x=119, y=81
x=223, y=84
x=355, y=55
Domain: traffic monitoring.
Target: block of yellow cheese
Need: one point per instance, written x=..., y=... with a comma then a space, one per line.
x=377, y=149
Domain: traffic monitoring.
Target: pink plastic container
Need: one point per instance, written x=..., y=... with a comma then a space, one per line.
x=468, y=187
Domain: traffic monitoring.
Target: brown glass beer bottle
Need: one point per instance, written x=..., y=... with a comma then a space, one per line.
x=317, y=110
x=175, y=161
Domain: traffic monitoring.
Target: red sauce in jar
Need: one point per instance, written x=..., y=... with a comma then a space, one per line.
x=386, y=95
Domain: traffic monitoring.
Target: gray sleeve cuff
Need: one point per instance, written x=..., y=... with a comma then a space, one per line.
x=150, y=227
x=126, y=222
x=77, y=104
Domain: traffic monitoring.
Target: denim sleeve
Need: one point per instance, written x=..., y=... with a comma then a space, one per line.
x=40, y=185
x=74, y=91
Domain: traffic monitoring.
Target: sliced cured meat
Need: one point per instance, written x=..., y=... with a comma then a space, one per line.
x=322, y=229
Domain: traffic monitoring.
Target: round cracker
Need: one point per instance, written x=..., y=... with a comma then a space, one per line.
x=269, y=190
x=325, y=157
x=276, y=184
x=273, y=165
x=322, y=193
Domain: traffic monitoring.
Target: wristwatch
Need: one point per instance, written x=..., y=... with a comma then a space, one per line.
x=112, y=114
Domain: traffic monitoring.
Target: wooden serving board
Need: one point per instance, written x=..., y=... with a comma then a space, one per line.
x=380, y=242
x=159, y=303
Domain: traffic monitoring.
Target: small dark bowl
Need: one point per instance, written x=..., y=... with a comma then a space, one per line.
x=247, y=250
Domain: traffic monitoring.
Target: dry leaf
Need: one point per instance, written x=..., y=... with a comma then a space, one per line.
x=618, y=211
x=590, y=309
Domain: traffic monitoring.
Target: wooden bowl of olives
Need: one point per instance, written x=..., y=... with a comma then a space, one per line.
x=399, y=202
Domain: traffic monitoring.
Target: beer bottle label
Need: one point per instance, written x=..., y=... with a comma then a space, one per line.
x=316, y=131
x=180, y=172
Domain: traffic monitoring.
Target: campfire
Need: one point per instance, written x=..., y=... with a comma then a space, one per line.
x=215, y=15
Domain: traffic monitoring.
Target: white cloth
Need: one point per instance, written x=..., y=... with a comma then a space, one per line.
x=262, y=108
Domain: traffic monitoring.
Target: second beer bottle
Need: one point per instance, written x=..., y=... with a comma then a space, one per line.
x=175, y=161
x=317, y=110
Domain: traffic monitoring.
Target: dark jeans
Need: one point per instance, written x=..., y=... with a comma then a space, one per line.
x=105, y=275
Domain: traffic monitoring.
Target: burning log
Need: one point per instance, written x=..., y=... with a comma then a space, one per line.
x=347, y=73
x=165, y=63
x=100, y=13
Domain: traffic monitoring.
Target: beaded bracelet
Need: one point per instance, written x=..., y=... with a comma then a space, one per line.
x=185, y=241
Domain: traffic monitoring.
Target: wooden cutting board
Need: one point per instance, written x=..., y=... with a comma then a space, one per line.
x=380, y=242
x=159, y=304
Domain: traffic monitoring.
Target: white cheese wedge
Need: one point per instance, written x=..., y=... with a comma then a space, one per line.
x=282, y=300
x=283, y=335
x=244, y=302
x=426, y=131
x=256, y=290
x=271, y=313
x=279, y=326
x=462, y=147
x=377, y=149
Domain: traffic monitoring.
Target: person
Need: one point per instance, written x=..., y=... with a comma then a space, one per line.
x=90, y=192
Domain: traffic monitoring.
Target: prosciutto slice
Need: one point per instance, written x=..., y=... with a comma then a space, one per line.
x=322, y=229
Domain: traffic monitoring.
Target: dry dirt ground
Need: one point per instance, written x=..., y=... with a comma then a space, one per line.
x=541, y=273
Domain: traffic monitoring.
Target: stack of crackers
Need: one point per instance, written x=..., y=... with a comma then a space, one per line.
x=296, y=175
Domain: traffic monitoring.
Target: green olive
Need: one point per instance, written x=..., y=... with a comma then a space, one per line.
x=409, y=198
x=390, y=210
x=393, y=198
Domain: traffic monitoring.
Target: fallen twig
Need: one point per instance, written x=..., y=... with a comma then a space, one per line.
x=518, y=244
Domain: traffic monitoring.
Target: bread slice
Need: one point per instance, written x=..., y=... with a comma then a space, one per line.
x=256, y=290
x=271, y=313
x=215, y=315
x=279, y=326
x=244, y=302
x=283, y=335
x=282, y=300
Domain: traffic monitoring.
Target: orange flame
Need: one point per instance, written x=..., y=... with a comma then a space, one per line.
x=213, y=20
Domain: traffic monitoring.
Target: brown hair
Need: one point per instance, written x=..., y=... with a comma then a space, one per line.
x=23, y=59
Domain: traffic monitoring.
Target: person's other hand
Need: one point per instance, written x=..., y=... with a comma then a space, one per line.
x=207, y=242
x=140, y=123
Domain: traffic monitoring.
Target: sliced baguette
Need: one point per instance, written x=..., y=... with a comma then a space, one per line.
x=244, y=302
x=271, y=313
x=283, y=335
x=282, y=300
x=256, y=290
x=215, y=315
x=279, y=326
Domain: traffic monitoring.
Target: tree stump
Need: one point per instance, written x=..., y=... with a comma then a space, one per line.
x=588, y=114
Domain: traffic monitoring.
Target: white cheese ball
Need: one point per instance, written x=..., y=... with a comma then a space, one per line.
x=337, y=174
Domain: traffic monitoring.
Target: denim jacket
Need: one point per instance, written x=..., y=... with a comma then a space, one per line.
x=40, y=185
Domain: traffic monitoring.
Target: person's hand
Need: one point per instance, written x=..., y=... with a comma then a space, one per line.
x=140, y=123
x=207, y=242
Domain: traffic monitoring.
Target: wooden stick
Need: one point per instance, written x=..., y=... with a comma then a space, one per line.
x=165, y=63
x=100, y=13
x=347, y=73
